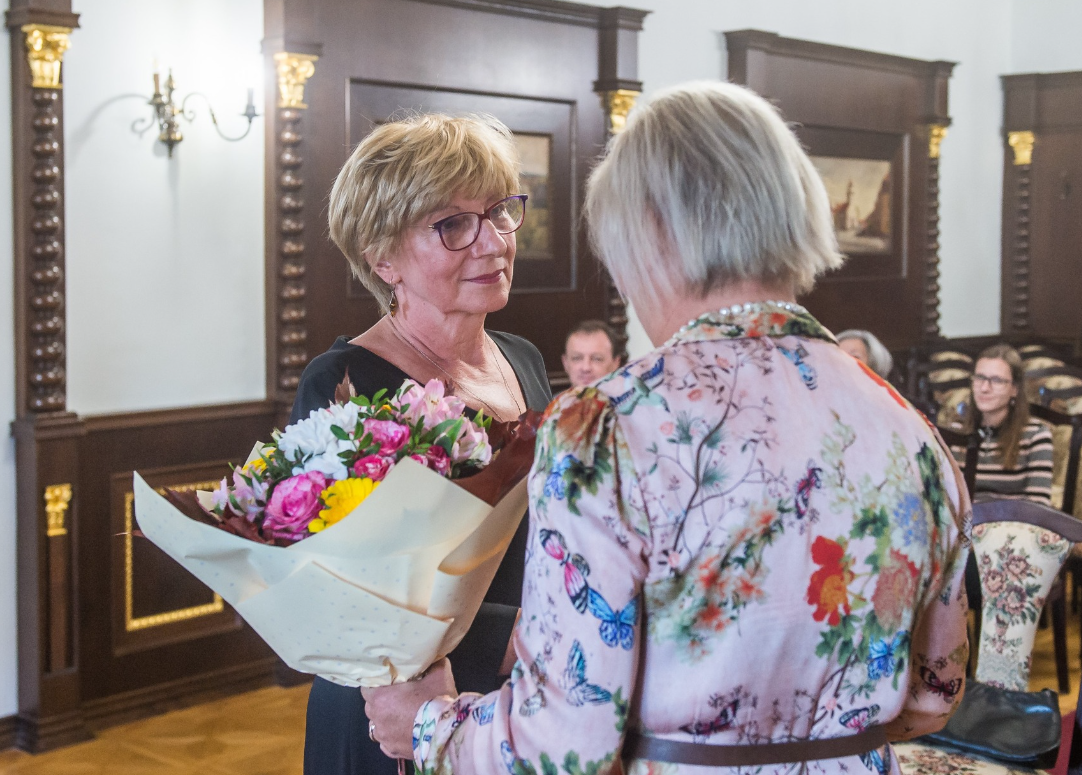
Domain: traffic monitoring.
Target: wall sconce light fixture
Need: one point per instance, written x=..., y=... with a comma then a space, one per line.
x=167, y=114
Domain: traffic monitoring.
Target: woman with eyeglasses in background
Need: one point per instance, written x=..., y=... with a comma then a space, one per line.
x=1016, y=451
x=425, y=212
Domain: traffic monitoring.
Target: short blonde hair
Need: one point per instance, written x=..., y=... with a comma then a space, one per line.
x=710, y=171
x=405, y=169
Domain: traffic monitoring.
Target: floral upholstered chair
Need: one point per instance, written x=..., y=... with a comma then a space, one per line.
x=1020, y=547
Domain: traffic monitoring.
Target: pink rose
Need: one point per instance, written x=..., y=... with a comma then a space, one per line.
x=420, y=459
x=372, y=467
x=438, y=460
x=294, y=503
x=390, y=435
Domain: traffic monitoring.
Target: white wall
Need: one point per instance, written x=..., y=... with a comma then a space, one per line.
x=681, y=41
x=165, y=256
x=1046, y=36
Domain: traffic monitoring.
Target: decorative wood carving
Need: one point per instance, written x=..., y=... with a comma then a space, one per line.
x=293, y=71
x=1042, y=219
x=618, y=86
x=46, y=436
x=936, y=133
x=1022, y=144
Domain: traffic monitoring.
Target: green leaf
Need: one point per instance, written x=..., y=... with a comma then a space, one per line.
x=548, y=767
x=340, y=433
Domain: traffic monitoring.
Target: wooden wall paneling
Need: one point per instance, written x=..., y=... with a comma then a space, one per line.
x=860, y=104
x=47, y=437
x=1042, y=235
x=147, y=623
x=538, y=51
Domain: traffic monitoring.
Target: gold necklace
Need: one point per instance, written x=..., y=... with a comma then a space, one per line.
x=451, y=379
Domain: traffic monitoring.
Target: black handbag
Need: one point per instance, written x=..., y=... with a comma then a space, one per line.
x=1021, y=729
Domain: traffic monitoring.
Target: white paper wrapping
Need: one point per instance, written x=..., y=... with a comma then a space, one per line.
x=375, y=598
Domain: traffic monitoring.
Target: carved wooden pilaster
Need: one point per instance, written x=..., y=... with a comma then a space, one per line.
x=46, y=436
x=45, y=376
x=618, y=87
x=936, y=133
x=1018, y=290
x=290, y=336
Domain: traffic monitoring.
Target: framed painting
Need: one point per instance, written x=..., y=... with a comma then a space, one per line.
x=535, y=235
x=865, y=175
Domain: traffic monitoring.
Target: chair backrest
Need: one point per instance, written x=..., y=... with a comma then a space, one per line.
x=1020, y=547
x=971, y=443
x=1074, y=450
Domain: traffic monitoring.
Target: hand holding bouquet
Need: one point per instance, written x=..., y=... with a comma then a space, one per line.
x=360, y=543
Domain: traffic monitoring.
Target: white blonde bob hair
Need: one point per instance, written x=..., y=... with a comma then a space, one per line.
x=404, y=170
x=706, y=186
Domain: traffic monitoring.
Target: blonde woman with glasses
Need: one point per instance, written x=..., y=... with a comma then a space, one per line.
x=425, y=211
x=746, y=549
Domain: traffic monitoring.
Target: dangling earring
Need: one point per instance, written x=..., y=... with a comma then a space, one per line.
x=392, y=307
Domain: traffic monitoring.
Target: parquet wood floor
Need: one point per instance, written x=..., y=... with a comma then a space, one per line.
x=257, y=733
x=262, y=732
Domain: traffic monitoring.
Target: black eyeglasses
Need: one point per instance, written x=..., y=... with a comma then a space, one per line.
x=996, y=383
x=459, y=231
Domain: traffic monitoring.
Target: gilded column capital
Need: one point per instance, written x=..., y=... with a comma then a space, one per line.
x=936, y=133
x=1022, y=143
x=57, y=498
x=617, y=104
x=45, y=47
x=293, y=71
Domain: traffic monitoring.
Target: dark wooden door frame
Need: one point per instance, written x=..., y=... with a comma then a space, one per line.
x=296, y=234
x=855, y=94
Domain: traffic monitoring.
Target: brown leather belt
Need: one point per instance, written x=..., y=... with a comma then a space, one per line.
x=655, y=749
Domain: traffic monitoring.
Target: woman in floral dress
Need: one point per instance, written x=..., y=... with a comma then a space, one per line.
x=746, y=549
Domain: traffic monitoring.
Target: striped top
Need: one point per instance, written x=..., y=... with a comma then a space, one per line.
x=1031, y=478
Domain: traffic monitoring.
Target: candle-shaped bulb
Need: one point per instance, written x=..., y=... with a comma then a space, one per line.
x=251, y=98
x=157, y=83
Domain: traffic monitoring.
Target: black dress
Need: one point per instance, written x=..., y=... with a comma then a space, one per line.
x=336, y=738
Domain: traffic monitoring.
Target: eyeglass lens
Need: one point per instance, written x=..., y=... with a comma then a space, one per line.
x=996, y=382
x=460, y=231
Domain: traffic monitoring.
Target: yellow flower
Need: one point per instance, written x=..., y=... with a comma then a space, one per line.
x=340, y=499
x=259, y=465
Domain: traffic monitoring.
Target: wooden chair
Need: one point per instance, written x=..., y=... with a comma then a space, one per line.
x=1012, y=522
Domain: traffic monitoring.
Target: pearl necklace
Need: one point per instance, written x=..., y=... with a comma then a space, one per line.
x=739, y=309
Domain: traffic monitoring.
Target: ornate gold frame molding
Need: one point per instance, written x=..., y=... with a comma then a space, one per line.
x=1022, y=143
x=617, y=104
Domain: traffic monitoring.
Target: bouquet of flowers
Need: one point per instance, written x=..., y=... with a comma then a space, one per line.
x=360, y=543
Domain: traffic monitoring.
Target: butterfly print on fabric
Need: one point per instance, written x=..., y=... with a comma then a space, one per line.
x=617, y=628
x=873, y=760
x=642, y=389
x=555, y=483
x=810, y=481
x=535, y=701
x=579, y=691
x=807, y=372
x=483, y=714
x=881, y=656
x=724, y=720
x=859, y=719
x=574, y=565
x=946, y=690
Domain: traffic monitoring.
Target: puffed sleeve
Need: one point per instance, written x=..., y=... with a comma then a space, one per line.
x=577, y=643
x=939, y=650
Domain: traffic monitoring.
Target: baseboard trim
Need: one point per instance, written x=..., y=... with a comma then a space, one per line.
x=7, y=732
x=181, y=693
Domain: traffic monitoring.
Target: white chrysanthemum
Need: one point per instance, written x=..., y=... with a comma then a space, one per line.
x=310, y=436
x=328, y=464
